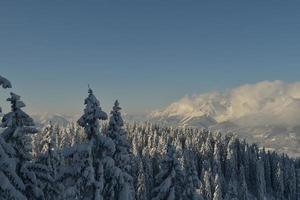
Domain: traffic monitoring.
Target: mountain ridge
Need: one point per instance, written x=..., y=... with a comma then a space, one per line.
x=267, y=113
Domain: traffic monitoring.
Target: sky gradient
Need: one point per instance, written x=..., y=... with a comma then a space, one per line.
x=145, y=53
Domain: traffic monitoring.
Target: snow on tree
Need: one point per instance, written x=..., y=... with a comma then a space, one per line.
x=243, y=191
x=18, y=126
x=118, y=134
x=92, y=114
x=192, y=182
x=218, y=189
x=5, y=84
x=260, y=178
x=207, y=184
x=66, y=137
x=207, y=148
x=231, y=159
x=217, y=166
x=291, y=181
x=11, y=185
x=141, y=191
x=84, y=178
x=298, y=183
x=244, y=180
x=78, y=135
x=217, y=163
x=18, y=130
x=79, y=176
x=135, y=161
x=168, y=181
x=279, y=182
x=104, y=174
x=111, y=172
x=267, y=170
x=149, y=170
x=51, y=159
x=232, y=191
x=123, y=157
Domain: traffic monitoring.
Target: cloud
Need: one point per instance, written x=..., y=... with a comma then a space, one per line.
x=267, y=102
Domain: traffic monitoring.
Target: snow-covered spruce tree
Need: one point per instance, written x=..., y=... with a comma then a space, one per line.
x=218, y=189
x=217, y=163
x=66, y=136
x=90, y=121
x=141, y=191
x=78, y=174
x=84, y=174
x=148, y=168
x=50, y=158
x=192, y=182
x=260, y=180
x=207, y=184
x=231, y=159
x=5, y=84
x=243, y=191
x=232, y=191
x=18, y=130
x=290, y=179
x=11, y=185
x=267, y=170
x=78, y=135
x=279, y=181
x=123, y=156
x=168, y=181
x=92, y=114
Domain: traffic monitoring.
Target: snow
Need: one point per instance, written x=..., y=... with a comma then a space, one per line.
x=270, y=101
x=264, y=113
x=149, y=161
x=4, y=82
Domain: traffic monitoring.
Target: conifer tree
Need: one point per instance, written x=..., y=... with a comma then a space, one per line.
x=18, y=130
x=92, y=114
x=218, y=190
x=51, y=159
x=5, y=84
x=11, y=185
x=279, y=184
x=117, y=133
x=243, y=191
x=168, y=178
x=123, y=157
x=192, y=182
x=141, y=191
x=260, y=179
x=86, y=172
x=207, y=184
x=232, y=193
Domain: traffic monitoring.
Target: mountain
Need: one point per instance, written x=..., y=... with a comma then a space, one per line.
x=57, y=119
x=267, y=113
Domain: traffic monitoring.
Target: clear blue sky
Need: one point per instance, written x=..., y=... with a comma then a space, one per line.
x=146, y=53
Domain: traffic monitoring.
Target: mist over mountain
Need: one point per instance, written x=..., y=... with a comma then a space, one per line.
x=62, y=120
x=267, y=113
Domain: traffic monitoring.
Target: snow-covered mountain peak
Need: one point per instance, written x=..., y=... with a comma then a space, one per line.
x=268, y=100
x=267, y=113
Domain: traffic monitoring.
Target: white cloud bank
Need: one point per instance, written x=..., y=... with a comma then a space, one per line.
x=263, y=103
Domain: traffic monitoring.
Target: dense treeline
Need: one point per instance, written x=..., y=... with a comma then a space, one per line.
x=192, y=163
x=133, y=161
